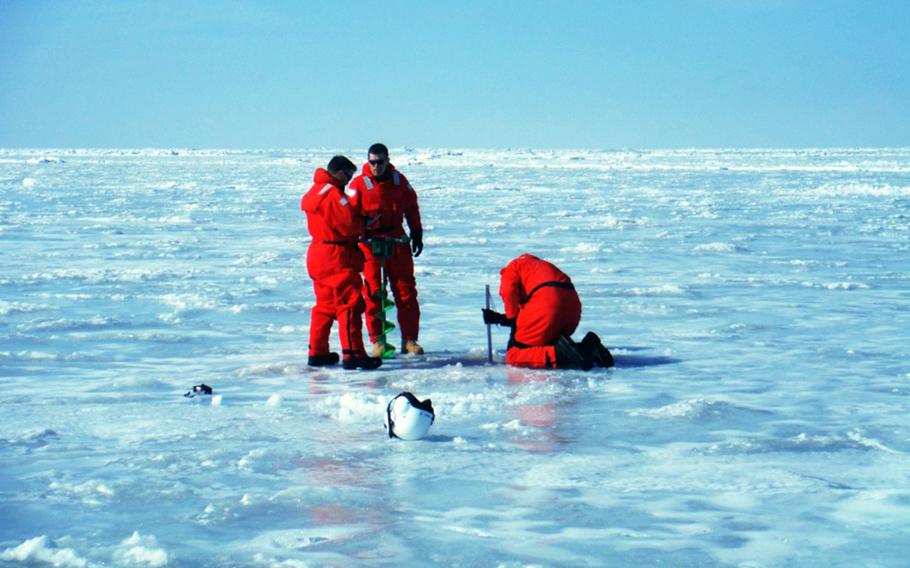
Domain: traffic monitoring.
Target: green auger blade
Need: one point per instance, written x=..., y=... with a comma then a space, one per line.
x=384, y=306
x=387, y=326
x=388, y=351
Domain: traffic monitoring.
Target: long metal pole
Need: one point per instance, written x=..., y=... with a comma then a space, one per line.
x=489, y=332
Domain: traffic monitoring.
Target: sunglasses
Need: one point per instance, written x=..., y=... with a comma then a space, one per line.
x=377, y=162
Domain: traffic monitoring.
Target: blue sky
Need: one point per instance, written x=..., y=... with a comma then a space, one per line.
x=486, y=74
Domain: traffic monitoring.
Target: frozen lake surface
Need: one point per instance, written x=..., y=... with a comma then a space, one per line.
x=757, y=303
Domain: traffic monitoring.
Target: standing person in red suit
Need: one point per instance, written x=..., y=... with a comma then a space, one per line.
x=387, y=200
x=543, y=310
x=334, y=262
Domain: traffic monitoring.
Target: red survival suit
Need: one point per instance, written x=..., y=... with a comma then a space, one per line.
x=334, y=263
x=388, y=201
x=543, y=302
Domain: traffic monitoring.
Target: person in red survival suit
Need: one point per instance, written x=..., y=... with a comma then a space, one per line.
x=334, y=262
x=543, y=310
x=387, y=199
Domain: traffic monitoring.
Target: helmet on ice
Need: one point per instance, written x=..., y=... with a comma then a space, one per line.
x=408, y=418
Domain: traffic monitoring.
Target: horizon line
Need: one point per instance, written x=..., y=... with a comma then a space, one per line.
x=429, y=148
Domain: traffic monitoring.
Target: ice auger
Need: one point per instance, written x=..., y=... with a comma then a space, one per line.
x=384, y=248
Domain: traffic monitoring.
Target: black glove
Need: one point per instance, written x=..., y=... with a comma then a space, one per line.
x=417, y=242
x=492, y=318
x=495, y=318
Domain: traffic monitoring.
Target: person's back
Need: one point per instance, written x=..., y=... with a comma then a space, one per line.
x=543, y=310
x=525, y=276
x=335, y=224
x=334, y=263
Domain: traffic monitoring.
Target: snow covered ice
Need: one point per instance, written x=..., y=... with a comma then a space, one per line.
x=757, y=303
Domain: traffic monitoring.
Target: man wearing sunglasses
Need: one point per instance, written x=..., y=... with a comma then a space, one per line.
x=387, y=201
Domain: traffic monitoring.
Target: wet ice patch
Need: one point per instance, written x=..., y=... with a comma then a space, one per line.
x=266, y=281
x=43, y=356
x=38, y=551
x=352, y=407
x=256, y=259
x=879, y=507
x=716, y=247
x=176, y=219
x=248, y=462
x=691, y=408
x=611, y=222
x=189, y=302
x=515, y=426
x=11, y=308
x=295, y=539
x=93, y=323
x=298, y=548
x=107, y=275
x=837, y=285
x=269, y=370
x=663, y=290
x=866, y=442
x=140, y=550
x=861, y=189
x=455, y=240
x=583, y=249
x=45, y=160
x=803, y=443
x=287, y=162
x=34, y=438
x=469, y=404
x=300, y=330
x=92, y=492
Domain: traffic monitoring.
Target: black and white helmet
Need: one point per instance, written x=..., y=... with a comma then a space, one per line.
x=408, y=418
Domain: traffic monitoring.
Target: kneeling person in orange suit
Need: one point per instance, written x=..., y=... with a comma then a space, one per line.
x=334, y=262
x=543, y=310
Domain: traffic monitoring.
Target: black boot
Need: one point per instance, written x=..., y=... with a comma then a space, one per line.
x=568, y=356
x=596, y=351
x=322, y=360
x=365, y=363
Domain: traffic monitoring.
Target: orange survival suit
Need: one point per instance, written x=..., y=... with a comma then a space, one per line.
x=334, y=262
x=542, y=301
x=388, y=201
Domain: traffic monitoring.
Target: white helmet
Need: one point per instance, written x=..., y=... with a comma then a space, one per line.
x=408, y=418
